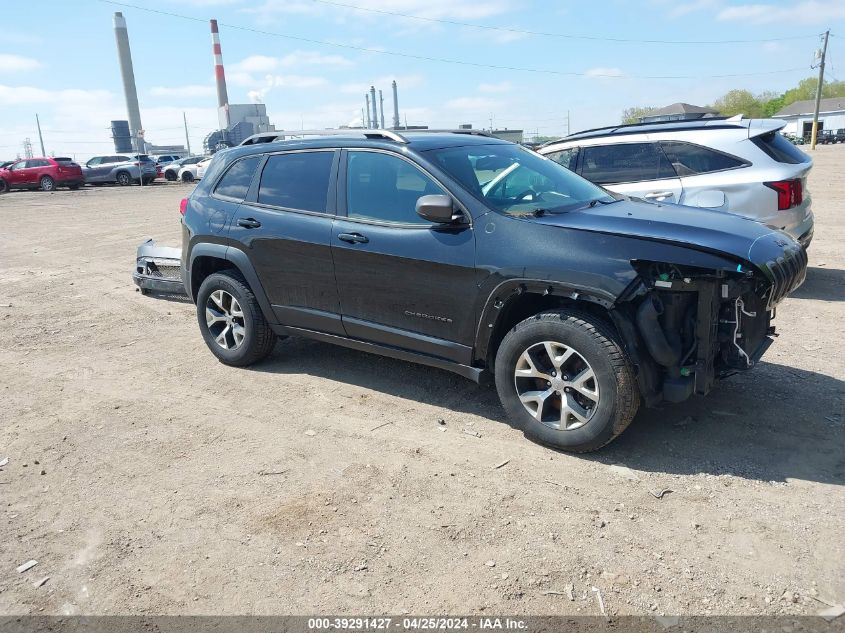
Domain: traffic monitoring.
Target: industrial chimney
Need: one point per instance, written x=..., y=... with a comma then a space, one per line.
x=375, y=106
x=220, y=76
x=368, y=123
x=381, y=108
x=396, y=123
x=124, y=56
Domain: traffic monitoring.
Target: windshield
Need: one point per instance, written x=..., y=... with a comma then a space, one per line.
x=514, y=180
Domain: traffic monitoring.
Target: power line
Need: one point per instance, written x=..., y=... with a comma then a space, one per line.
x=445, y=60
x=570, y=36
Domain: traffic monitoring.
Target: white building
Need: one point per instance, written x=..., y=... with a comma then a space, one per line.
x=799, y=116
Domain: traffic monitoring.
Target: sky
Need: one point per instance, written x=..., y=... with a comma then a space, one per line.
x=536, y=65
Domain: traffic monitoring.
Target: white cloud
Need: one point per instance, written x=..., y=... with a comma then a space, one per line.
x=809, y=12
x=266, y=64
x=603, y=72
x=25, y=95
x=183, y=91
x=15, y=63
x=502, y=86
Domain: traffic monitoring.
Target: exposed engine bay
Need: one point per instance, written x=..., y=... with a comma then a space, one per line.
x=697, y=325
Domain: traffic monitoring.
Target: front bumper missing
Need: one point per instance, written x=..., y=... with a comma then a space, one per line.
x=158, y=268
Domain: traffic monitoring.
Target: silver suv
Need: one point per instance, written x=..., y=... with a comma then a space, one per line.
x=740, y=166
x=120, y=169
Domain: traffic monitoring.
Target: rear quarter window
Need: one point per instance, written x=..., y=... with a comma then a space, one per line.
x=689, y=159
x=235, y=183
x=780, y=149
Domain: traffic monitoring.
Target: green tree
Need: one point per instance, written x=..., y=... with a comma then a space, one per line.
x=806, y=90
x=633, y=115
x=739, y=102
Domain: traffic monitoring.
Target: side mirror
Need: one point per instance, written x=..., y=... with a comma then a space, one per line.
x=436, y=208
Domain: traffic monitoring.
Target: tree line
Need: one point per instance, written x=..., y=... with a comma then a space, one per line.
x=763, y=105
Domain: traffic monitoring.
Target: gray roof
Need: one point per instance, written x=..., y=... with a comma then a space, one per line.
x=832, y=104
x=683, y=108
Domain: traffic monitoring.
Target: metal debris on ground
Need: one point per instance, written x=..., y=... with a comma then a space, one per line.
x=601, y=600
x=310, y=432
x=441, y=422
x=553, y=592
x=264, y=473
x=39, y=583
x=27, y=565
x=504, y=463
x=490, y=563
x=473, y=433
x=832, y=612
x=570, y=591
x=659, y=494
x=4, y=461
x=158, y=268
x=376, y=428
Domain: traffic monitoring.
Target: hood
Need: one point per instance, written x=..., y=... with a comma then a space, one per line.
x=701, y=229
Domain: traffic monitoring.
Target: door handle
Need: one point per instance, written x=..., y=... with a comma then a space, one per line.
x=249, y=223
x=658, y=195
x=352, y=238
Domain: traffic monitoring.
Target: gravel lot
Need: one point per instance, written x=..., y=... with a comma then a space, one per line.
x=147, y=478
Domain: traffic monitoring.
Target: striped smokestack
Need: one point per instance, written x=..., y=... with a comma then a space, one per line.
x=220, y=76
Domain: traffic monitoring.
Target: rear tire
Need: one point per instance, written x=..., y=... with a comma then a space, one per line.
x=170, y=176
x=540, y=377
x=73, y=187
x=123, y=178
x=47, y=183
x=187, y=177
x=231, y=321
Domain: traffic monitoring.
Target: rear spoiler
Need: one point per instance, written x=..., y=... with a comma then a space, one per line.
x=759, y=127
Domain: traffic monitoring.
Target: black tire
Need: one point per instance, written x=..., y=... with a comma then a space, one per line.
x=46, y=183
x=73, y=187
x=259, y=339
x=596, y=343
x=187, y=177
x=123, y=178
x=3, y=186
x=170, y=176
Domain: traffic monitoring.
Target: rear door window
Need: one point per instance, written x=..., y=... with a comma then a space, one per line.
x=298, y=180
x=625, y=162
x=566, y=157
x=235, y=183
x=778, y=148
x=689, y=159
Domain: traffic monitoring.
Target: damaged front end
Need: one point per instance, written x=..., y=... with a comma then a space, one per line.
x=694, y=326
x=158, y=268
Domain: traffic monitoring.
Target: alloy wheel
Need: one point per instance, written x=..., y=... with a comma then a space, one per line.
x=225, y=319
x=556, y=385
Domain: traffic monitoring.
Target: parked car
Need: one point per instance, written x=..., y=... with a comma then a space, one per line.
x=45, y=173
x=171, y=170
x=795, y=140
x=741, y=166
x=121, y=169
x=189, y=172
x=6, y=163
x=475, y=255
x=826, y=137
x=166, y=159
x=839, y=135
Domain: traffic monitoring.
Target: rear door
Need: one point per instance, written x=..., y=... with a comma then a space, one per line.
x=403, y=281
x=638, y=169
x=285, y=227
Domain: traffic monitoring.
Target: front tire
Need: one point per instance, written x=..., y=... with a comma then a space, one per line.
x=3, y=186
x=170, y=176
x=187, y=177
x=231, y=321
x=47, y=183
x=123, y=178
x=564, y=380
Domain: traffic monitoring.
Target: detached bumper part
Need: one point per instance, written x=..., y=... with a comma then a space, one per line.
x=158, y=268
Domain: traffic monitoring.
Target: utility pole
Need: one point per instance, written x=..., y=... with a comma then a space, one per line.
x=819, y=93
x=187, y=139
x=40, y=138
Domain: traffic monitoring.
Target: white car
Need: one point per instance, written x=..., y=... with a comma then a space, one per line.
x=190, y=173
x=740, y=166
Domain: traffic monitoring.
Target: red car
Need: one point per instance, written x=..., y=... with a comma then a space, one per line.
x=41, y=173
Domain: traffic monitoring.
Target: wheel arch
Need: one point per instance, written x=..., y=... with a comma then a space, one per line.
x=517, y=299
x=207, y=259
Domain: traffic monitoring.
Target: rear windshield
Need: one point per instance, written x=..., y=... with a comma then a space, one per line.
x=143, y=158
x=63, y=159
x=777, y=147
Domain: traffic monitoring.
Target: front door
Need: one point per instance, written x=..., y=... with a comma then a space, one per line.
x=403, y=281
x=632, y=169
x=97, y=169
x=18, y=174
x=285, y=227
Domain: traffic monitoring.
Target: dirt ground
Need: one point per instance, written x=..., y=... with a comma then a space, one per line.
x=147, y=478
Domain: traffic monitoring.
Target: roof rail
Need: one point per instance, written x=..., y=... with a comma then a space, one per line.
x=281, y=135
x=451, y=131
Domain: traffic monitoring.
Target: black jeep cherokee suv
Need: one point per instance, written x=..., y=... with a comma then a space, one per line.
x=478, y=256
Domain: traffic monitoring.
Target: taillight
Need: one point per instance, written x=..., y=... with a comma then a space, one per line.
x=183, y=206
x=790, y=192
